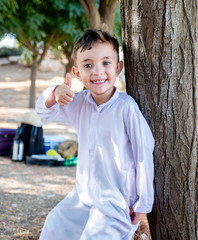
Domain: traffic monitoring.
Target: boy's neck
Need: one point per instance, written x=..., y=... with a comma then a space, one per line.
x=101, y=99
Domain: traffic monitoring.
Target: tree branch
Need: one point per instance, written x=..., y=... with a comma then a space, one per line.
x=27, y=44
x=85, y=6
x=46, y=47
x=106, y=6
x=107, y=11
x=91, y=11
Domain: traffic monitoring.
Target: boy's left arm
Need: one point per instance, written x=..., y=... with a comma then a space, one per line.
x=142, y=146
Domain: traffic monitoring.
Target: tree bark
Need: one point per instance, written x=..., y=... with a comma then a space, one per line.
x=36, y=61
x=68, y=50
x=107, y=10
x=34, y=68
x=102, y=17
x=68, y=66
x=161, y=66
x=92, y=13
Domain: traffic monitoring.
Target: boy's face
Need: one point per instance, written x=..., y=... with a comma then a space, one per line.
x=98, y=68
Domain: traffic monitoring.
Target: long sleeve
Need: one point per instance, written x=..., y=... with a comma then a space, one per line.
x=142, y=149
x=58, y=113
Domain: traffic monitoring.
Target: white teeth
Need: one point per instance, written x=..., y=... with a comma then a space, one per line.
x=99, y=81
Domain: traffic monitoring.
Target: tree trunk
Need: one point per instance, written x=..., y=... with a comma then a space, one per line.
x=107, y=10
x=36, y=61
x=161, y=66
x=68, y=66
x=92, y=13
x=68, y=53
x=102, y=17
x=34, y=69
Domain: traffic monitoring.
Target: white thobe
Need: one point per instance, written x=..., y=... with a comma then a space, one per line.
x=115, y=152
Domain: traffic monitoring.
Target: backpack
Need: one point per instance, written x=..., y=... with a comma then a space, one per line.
x=28, y=140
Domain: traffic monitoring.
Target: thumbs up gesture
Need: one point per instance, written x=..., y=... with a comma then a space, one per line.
x=63, y=93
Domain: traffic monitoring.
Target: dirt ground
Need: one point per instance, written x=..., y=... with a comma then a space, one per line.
x=27, y=192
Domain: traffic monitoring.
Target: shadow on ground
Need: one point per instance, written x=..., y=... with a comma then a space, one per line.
x=28, y=193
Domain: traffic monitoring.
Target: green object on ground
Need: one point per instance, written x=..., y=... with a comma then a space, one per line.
x=71, y=161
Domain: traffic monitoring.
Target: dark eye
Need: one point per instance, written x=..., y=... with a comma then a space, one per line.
x=106, y=63
x=87, y=65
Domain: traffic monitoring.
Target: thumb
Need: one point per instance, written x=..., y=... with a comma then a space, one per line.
x=68, y=80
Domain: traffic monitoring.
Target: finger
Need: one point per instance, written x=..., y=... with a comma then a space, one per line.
x=68, y=99
x=64, y=100
x=68, y=80
x=70, y=93
x=135, y=220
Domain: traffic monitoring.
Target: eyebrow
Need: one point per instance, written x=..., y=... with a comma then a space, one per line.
x=89, y=59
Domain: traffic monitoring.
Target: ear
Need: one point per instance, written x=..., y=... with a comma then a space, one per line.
x=75, y=71
x=119, y=67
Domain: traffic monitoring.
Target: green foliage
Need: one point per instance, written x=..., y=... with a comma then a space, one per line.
x=39, y=24
x=34, y=21
x=6, y=52
x=117, y=25
x=57, y=52
x=26, y=57
x=7, y=7
x=73, y=23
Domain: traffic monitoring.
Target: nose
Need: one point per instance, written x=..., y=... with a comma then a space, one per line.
x=98, y=70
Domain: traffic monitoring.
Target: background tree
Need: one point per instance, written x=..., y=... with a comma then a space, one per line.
x=80, y=22
x=100, y=14
x=29, y=24
x=161, y=65
x=72, y=29
x=39, y=24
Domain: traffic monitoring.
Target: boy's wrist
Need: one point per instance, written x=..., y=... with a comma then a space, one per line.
x=51, y=100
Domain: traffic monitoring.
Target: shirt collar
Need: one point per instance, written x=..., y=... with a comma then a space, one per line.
x=100, y=107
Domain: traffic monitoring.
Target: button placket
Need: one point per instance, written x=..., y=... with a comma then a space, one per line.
x=92, y=134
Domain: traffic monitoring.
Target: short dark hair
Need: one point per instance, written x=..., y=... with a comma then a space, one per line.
x=92, y=36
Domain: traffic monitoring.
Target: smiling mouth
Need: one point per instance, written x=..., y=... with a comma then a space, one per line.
x=99, y=81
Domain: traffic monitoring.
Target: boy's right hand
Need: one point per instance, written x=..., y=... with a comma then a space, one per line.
x=63, y=93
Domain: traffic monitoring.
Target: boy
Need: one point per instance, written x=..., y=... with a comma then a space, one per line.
x=115, y=162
